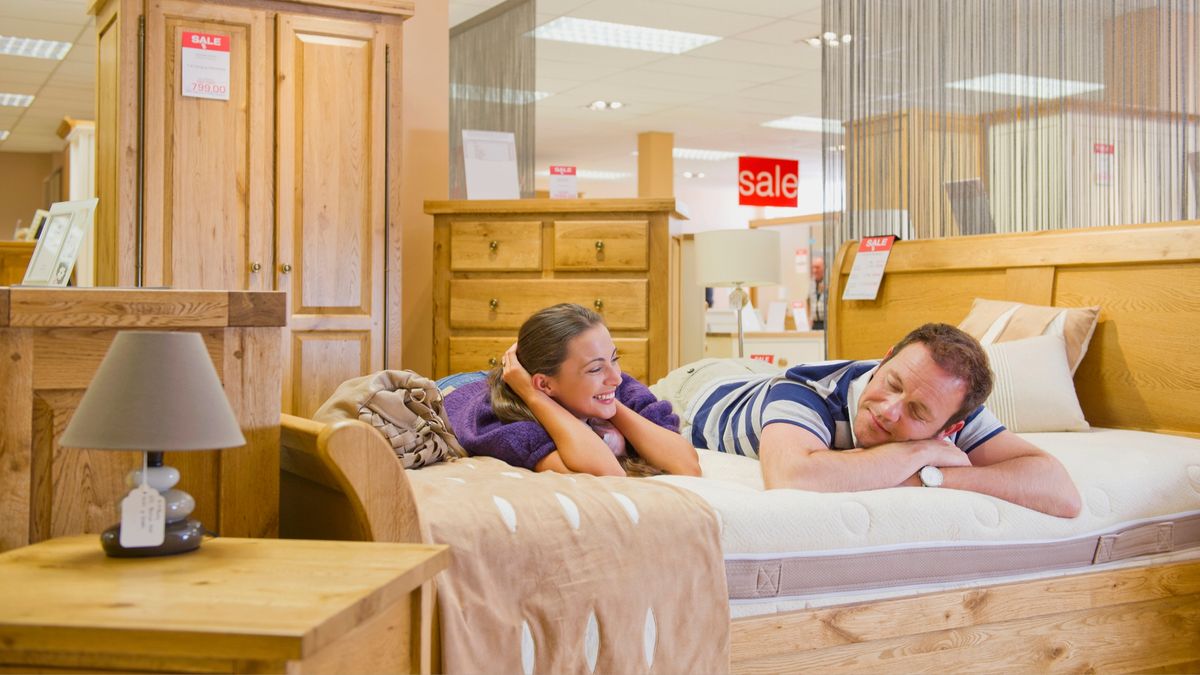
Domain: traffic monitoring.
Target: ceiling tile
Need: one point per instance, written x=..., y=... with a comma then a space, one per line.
x=581, y=72
x=668, y=16
x=58, y=11
x=704, y=68
x=771, y=8
x=783, y=33
x=554, y=50
x=674, y=82
x=744, y=51
x=42, y=30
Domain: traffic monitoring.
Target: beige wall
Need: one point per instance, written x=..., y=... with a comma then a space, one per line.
x=425, y=172
x=21, y=176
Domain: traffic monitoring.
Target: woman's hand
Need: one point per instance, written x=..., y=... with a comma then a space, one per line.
x=515, y=375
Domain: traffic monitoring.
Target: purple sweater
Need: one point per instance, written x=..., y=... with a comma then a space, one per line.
x=525, y=443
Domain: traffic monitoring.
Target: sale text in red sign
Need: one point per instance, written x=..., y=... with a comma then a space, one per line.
x=204, y=65
x=763, y=181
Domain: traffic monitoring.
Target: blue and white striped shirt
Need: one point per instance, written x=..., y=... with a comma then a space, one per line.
x=729, y=415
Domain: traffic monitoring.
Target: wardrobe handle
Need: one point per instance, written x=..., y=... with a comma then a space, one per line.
x=493, y=245
x=599, y=305
x=255, y=267
x=285, y=268
x=493, y=303
x=600, y=246
x=493, y=362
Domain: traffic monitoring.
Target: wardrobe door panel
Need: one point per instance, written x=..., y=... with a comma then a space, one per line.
x=330, y=245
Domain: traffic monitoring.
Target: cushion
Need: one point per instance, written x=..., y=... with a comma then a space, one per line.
x=992, y=321
x=1033, y=389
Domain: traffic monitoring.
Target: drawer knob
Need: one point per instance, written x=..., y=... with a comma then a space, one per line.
x=285, y=268
x=255, y=267
x=493, y=245
x=600, y=246
x=493, y=303
x=493, y=362
x=599, y=305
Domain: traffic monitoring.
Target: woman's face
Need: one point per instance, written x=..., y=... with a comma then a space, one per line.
x=586, y=382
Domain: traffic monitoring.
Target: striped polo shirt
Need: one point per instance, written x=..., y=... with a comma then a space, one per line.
x=729, y=414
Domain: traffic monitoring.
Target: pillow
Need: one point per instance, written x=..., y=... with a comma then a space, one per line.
x=1033, y=390
x=992, y=321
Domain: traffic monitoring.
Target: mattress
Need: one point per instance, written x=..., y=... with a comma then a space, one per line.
x=1141, y=497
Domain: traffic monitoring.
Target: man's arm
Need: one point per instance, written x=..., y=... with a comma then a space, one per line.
x=793, y=457
x=1015, y=470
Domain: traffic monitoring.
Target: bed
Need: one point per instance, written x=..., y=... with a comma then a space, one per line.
x=1135, y=607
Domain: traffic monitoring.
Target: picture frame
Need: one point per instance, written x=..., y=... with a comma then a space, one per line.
x=63, y=230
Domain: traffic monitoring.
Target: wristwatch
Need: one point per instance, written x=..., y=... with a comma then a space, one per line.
x=931, y=476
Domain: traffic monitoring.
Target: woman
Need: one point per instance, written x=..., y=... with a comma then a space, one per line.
x=559, y=402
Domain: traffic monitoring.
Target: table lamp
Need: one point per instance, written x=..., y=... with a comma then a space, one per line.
x=154, y=391
x=737, y=258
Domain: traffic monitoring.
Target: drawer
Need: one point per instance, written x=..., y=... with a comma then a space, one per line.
x=512, y=246
x=495, y=303
x=601, y=244
x=483, y=353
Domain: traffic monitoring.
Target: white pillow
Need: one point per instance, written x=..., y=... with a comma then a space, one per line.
x=1033, y=389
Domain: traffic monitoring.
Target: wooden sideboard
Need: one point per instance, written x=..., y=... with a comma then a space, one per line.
x=14, y=258
x=497, y=262
x=51, y=342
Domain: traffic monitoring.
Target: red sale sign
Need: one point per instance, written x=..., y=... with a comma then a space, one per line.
x=205, y=41
x=763, y=181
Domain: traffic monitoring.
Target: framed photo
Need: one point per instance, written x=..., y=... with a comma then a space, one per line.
x=39, y=220
x=62, y=233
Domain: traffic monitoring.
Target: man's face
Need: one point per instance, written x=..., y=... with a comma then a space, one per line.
x=909, y=398
x=818, y=269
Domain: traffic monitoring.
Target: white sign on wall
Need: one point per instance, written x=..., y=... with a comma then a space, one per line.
x=204, y=65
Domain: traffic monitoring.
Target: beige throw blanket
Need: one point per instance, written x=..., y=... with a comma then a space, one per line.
x=573, y=574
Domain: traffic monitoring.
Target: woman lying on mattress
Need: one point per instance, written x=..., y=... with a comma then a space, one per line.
x=559, y=402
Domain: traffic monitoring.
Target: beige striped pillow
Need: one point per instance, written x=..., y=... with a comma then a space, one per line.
x=1033, y=390
x=993, y=321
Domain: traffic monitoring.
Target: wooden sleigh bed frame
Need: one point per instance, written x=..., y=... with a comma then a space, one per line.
x=1142, y=371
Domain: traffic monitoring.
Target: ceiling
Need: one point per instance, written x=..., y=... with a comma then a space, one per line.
x=60, y=88
x=714, y=97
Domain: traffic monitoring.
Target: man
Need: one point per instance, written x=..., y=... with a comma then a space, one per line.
x=915, y=418
x=816, y=295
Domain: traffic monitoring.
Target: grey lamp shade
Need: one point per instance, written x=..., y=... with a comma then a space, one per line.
x=737, y=257
x=154, y=391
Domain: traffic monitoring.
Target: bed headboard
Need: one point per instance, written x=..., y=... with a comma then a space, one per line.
x=1142, y=369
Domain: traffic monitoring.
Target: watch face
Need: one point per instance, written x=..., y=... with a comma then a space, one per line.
x=931, y=476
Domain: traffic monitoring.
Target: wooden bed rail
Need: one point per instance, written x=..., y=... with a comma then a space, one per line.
x=342, y=481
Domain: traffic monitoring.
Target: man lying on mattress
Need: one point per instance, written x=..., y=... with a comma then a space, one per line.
x=914, y=418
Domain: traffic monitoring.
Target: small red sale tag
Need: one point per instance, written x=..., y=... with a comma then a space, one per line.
x=769, y=358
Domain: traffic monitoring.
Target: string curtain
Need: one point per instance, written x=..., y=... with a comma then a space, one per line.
x=958, y=117
x=492, y=85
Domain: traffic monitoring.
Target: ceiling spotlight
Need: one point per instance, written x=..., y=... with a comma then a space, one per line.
x=693, y=174
x=605, y=105
x=829, y=35
x=846, y=37
x=834, y=43
x=813, y=41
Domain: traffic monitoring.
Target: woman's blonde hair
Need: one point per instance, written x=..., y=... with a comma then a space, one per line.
x=542, y=345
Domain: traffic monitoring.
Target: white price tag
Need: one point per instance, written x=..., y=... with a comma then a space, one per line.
x=143, y=517
x=867, y=271
x=563, y=183
x=205, y=65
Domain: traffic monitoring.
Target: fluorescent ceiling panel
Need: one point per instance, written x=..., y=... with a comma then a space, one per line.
x=700, y=154
x=594, y=175
x=15, y=100
x=33, y=48
x=801, y=123
x=621, y=35
x=474, y=92
x=1012, y=84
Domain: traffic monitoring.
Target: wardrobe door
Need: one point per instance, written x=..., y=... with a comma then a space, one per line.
x=208, y=161
x=330, y=213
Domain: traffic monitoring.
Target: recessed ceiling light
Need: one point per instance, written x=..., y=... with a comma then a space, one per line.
x=3, y=134
x=693, y=174
x=1024, y=85
x=605, y=105
x=801, y=123
x=474, y=92
x=623, y=36
x=829, y=35
x=15, y=100
x=813, y=41
x=33, y=48
x=593, y=175
x=827, y=38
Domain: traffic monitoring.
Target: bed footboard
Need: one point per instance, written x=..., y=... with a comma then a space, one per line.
x=341, y=481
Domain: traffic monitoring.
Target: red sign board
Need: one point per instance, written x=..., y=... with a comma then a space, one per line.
x=205, y=41
x=763, y=181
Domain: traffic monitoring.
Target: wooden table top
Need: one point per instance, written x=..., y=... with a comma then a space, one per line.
x=235, y=598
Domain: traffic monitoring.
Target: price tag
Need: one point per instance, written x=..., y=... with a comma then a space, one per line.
x=563, y=183
x=143, y=517
x=205, y=65
x=867, y=272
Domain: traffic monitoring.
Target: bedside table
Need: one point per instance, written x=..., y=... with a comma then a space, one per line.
x=233, y=606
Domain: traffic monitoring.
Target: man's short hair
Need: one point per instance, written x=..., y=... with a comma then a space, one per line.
x=958, y=354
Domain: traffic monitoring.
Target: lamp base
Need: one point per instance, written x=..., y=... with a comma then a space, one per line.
x=178, y=537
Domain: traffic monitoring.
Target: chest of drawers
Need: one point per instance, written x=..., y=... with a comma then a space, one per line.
x=497, y=262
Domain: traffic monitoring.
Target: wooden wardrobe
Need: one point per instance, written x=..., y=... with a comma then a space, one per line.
x=291, y=184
